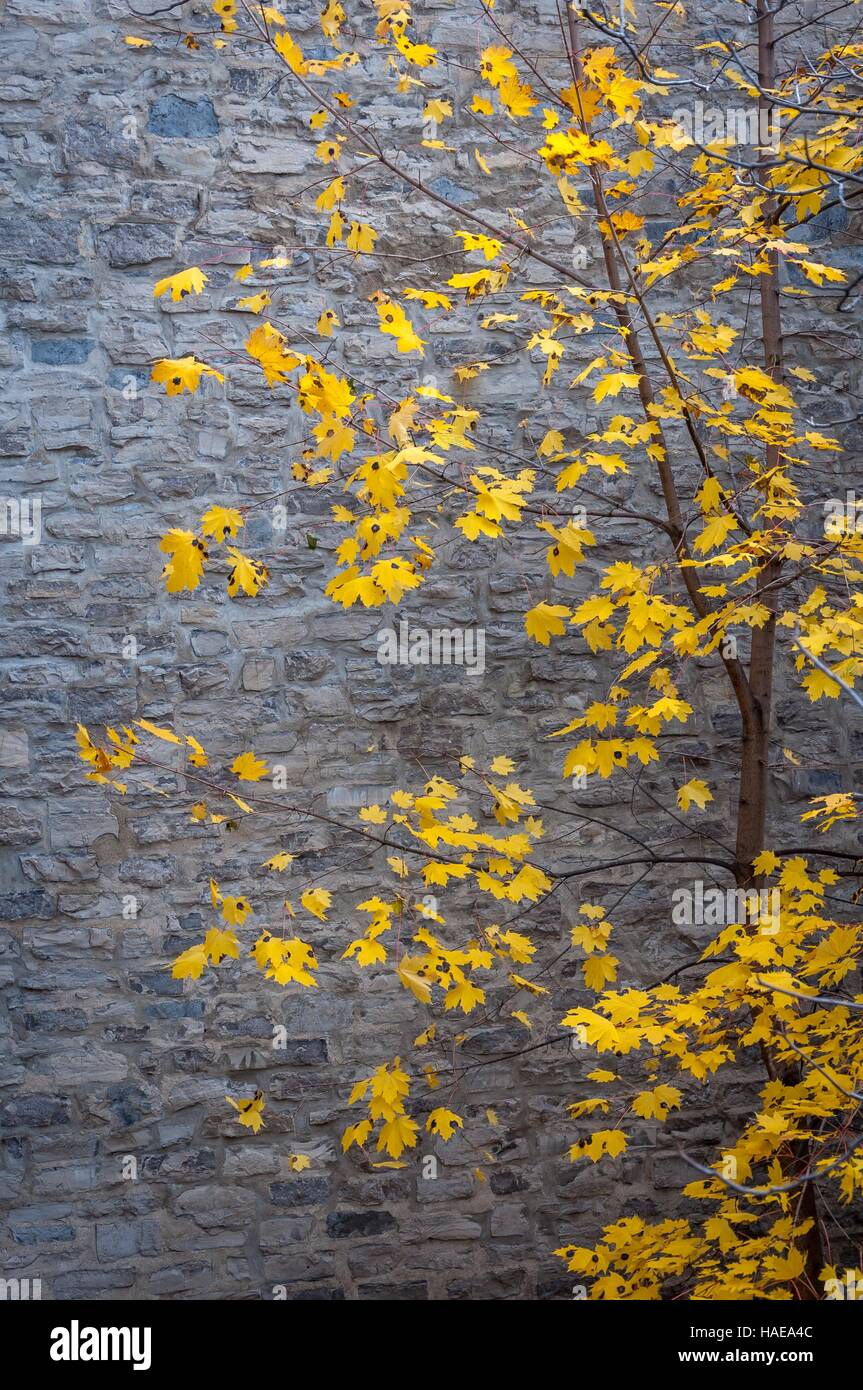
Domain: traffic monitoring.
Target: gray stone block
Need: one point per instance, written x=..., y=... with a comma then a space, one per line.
x=176, y=118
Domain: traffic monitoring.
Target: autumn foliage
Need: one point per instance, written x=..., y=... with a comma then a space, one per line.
x=701, y=408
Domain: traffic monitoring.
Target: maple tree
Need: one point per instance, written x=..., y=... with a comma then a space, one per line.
x=707, y=419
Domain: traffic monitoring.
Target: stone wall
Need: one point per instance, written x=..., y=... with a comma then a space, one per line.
x=123, y=166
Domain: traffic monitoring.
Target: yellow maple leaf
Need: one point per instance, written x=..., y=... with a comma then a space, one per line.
x=694, y=793
x=255, y=303
x=443, y=1123
x=235, y=910
x=599, y=971
x=279, y=861
x=817, y=683
x=246, y=574
x=367, y=952
x=613, y=384
x=437, y=110
x=250, y=1111
x=545, y=620
x=464, y=995
x=655, y=1104
x=392, y=319
x=219, y=522
x=419, y=987
x=219, y=943
x=604, y=1141
x=191, y=281
x=191, y=964
x=316, y=901
x=185, y=568
x=361, y=238
x=178, y=374
x=249, y=768
x=397, y=1134
x=157, y=731
x=356, y=1134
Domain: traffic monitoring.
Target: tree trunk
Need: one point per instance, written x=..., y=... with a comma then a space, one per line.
x=754, y=792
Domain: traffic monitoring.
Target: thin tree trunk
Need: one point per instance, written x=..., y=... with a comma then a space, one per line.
x=754, y=795
x=754, y=689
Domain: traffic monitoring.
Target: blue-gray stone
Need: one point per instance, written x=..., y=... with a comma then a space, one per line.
x=61, y=352
x=341, y=1224
x=447, y=189
x=175, y=118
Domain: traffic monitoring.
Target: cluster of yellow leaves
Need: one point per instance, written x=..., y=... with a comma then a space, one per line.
x=118, y=754
x=393, y=320
x=752, y=999
x=387, y=1089
x=779, y=963
x=734, y=530
x=386, y=1092
x=218, y=944
x=494, y=864
x=831, y=810
x=591, y=936
x=496, y=498
x=287, y=960
x=367, y=949
x=639, y=1260
x=189, y=553
x=379, y=485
